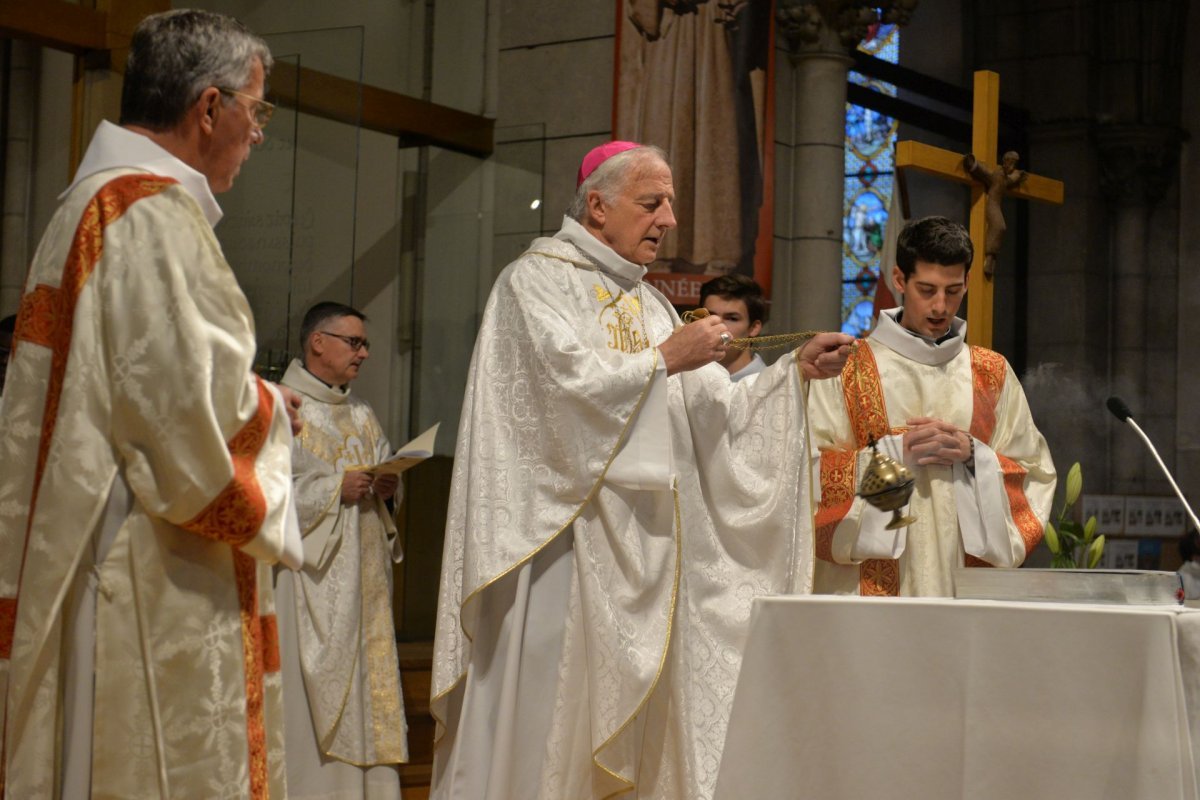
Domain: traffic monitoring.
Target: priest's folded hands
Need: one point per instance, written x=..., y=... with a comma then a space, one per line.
x=931, y=441
x=356, y=485
x=385, y=486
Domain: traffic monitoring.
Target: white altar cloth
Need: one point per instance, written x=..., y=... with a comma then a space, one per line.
x=847, y=698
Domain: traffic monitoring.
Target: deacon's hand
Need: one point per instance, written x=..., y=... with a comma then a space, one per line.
x=355, y=486
x=385, y=485
x=824, y=355
x=932, y=441
x=695, y=345
x=291, y=402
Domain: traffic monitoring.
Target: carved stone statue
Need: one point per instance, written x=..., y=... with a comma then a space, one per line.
x=996, y=182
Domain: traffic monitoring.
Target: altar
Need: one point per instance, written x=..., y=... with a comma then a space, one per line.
x=845, y=698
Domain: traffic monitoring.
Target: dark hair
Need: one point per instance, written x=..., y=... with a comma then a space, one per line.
x=737, y=286
x=934, y=240
x=322, y=312
x=176, y=55
x=8, y=324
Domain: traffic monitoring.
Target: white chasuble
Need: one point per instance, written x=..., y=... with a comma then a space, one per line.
x=340, y=617
x=141, y=457
x=991, y=515
x=608, y=528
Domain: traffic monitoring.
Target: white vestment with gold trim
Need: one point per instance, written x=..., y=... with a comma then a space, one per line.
x=609, y=527
x=341, y=678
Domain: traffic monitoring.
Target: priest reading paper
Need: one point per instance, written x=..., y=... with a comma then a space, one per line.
x=407, y=456
x=617, y=503
x=346, y=730
x=954, y=414
x=144, y=470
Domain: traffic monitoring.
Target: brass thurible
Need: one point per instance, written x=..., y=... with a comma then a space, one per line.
x=887, y=484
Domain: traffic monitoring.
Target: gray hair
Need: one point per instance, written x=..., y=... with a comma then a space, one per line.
x=176, y=55
x=609, y=178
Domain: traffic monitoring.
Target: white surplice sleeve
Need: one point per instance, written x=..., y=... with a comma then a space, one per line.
x=203, y=442
x=1004, y=504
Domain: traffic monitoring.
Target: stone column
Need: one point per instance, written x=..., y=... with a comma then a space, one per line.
x=1136, y=165
x=1139, y=73
x=1187, y=338
x=819, y=36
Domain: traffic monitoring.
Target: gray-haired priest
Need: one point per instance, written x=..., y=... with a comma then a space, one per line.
x=617, y=504
x=144, y=469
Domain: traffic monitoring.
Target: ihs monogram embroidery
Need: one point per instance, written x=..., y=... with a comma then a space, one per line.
x=617, y=317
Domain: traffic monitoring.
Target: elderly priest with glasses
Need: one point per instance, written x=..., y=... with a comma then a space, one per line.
x=145, y=484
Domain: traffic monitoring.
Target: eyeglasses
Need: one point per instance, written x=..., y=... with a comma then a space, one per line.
x=261, y=111
x=356, y=342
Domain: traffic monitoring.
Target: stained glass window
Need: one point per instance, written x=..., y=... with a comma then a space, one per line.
x=870, y=144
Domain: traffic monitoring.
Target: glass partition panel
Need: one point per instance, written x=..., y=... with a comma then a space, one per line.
x=520, y=191
x=289, y=226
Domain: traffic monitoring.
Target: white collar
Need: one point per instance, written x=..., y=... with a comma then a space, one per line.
x=300, y=379
x=113, y=147
x=604, y=256
x=915, y=346
x=754, y=366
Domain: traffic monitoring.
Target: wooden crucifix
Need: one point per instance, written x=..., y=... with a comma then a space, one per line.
x=985, y=122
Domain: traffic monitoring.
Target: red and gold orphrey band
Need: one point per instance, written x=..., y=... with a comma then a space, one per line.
x=865, y=405
x=989, y=373
x=863, y=391
x=237, y=513
x=46, y=318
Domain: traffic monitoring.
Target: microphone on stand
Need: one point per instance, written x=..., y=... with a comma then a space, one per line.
x=1121, y=411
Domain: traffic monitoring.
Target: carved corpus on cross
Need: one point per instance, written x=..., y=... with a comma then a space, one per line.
x=985, y=121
